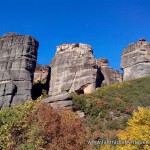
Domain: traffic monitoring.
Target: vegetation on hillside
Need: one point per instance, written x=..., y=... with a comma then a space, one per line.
x=111, y=113
x=108, y=109
x=36, y=125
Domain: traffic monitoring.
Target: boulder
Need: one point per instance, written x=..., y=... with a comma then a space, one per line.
x=61, y=100
x=135, y=60
x=60, y=97
x=18, y=54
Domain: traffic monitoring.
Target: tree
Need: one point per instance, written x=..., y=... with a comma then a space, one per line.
x=57, y=130
x=137, y=131
x=13, y=124
x=37, y=125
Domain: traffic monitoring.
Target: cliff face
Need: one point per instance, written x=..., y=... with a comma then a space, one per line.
x=135, y=60
x=73, y=69
x=109, y=75
x=18, y=56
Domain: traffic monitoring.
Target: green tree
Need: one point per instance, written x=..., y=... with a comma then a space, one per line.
x=13, y=124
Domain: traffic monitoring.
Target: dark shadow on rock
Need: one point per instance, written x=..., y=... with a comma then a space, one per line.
x=36, y=90
x=41, y=88
x=46, y=87
x=99, y=78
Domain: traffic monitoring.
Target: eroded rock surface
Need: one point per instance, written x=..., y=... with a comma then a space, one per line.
x=41, y=81
x=109, y=75
x=135, y=60
x=18, y=56
x=41, y=73
x=73, y=69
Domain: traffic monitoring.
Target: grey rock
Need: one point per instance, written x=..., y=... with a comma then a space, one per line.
x=73, y=69
x=135, y=60
x=10, y=88
x=5, y=101
x=62, y=104
x=109, y=75
x=60, y=97
x=18, y=56
x=81, y=114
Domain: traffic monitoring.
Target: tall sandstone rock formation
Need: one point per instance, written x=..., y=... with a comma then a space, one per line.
x=109, y=75
x=73, y=69
x=18, y=56
x=135, y=60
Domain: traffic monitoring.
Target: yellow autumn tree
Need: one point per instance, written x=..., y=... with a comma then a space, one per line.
x=137, y=131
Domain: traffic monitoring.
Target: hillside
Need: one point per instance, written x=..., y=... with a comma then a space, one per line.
x=73, y=68
x=108, y=108
x=96, y=94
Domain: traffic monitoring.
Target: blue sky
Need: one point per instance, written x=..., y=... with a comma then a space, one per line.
x=107, y=25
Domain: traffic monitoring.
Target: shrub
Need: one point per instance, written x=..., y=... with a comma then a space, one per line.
x=13, y=124
x=79, y=102
x=112, y=125
x=55, y=130
x=103, y=113
x=36, y=125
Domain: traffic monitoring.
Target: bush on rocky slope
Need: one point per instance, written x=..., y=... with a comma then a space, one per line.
x=36, y=125
x=108, y=108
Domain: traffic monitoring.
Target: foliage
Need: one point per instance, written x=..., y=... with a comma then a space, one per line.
x=58, y=131
x=109, y=107
x=107, y=147
x=138, y=129
x=36, y=124
x=13, y=124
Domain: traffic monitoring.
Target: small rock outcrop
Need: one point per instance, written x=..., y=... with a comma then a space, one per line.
x=41, y=81
x=73, y=69
x=135, y=60
x=109, y=75
x=41, y=73
x=18, y=56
